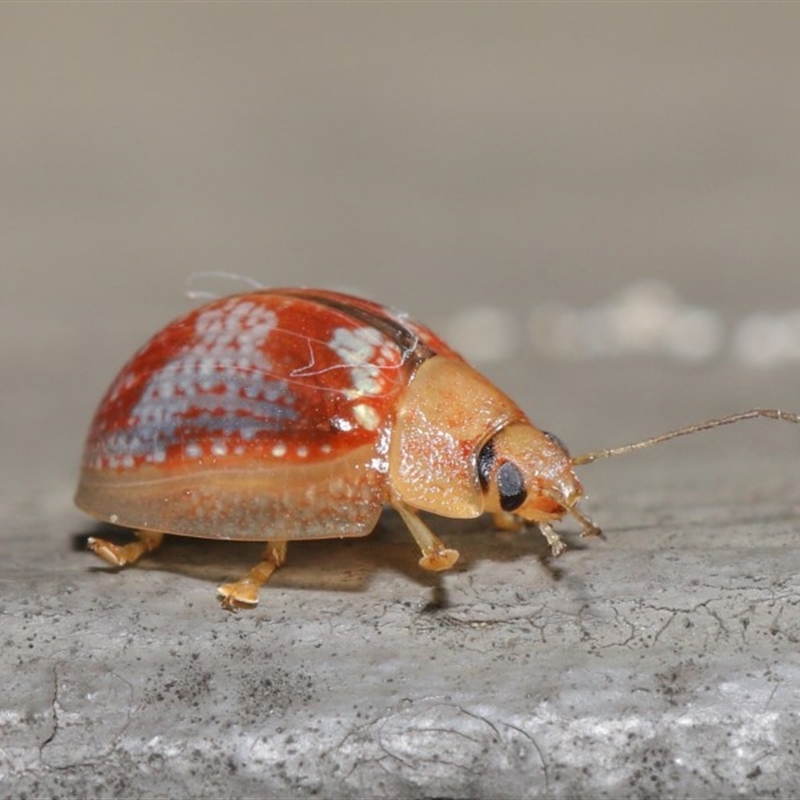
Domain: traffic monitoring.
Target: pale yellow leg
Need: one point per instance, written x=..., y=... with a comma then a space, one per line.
x=435, y=555
x=589, y=528
x=557, y=547
x=121, y=554
x=245, y=590
x=554, y=540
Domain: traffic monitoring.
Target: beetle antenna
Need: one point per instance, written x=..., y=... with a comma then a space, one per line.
x=753, y=413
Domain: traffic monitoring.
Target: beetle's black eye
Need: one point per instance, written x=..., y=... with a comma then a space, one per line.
x=511, y=486
x=486, y=464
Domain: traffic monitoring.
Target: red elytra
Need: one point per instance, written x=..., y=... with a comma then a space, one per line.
x=298, y=414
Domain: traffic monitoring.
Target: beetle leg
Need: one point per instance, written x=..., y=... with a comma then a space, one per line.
x=589, y=528
x=557, y=547
x=554, y=540
x=121, y=554
x=435, y=555
x=245, y=590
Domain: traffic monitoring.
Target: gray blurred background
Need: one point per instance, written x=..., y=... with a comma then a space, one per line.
x=439, y=157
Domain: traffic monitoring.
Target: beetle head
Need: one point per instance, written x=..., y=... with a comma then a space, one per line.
x=527, y=472
x=461, y=447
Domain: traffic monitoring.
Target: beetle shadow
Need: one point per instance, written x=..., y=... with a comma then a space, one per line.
x=216, y=561
x=342, y=565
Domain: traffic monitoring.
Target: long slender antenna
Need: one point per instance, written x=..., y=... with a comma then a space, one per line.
x=769, y=413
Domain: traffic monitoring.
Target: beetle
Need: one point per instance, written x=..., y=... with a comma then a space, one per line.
x=295, y=414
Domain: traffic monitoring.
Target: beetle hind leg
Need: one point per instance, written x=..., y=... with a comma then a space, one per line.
x=118, y=555
x=436, y=556
x=245, y=590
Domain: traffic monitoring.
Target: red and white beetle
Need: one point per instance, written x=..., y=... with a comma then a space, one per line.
x=298, y=414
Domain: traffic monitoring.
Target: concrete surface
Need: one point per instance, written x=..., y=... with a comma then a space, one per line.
x=440, y=157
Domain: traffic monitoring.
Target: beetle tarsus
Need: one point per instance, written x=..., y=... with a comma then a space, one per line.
x=120, y=555
x=244, y=592
x=440, y=560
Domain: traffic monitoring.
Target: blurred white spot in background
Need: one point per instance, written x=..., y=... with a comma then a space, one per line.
x=646, y=318
x=482, y=333
x=764, y=340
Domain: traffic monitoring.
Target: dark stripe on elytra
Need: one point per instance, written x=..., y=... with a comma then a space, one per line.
x=409, y=343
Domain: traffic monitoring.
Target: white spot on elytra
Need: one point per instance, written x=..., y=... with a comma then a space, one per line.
x=366, y=380
x=193, y=450
x=216, y=380
x=279, y=450
x=366, y=416
x=356, y=346
x=358, y=349
x=389, y=351
x=302, y=451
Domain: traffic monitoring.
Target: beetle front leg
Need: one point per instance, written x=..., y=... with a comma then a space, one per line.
x=245, y=590
x=557, y=547
x=435, y=555
x=589, y=528
x=118, y=555
x=554, y=540
x=505, y=521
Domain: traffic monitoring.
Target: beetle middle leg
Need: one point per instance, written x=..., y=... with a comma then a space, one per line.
x=118, y=555
x=436, y=556
x=245, y=590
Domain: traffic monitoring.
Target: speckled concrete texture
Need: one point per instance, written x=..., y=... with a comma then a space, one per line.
x=441, y=158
